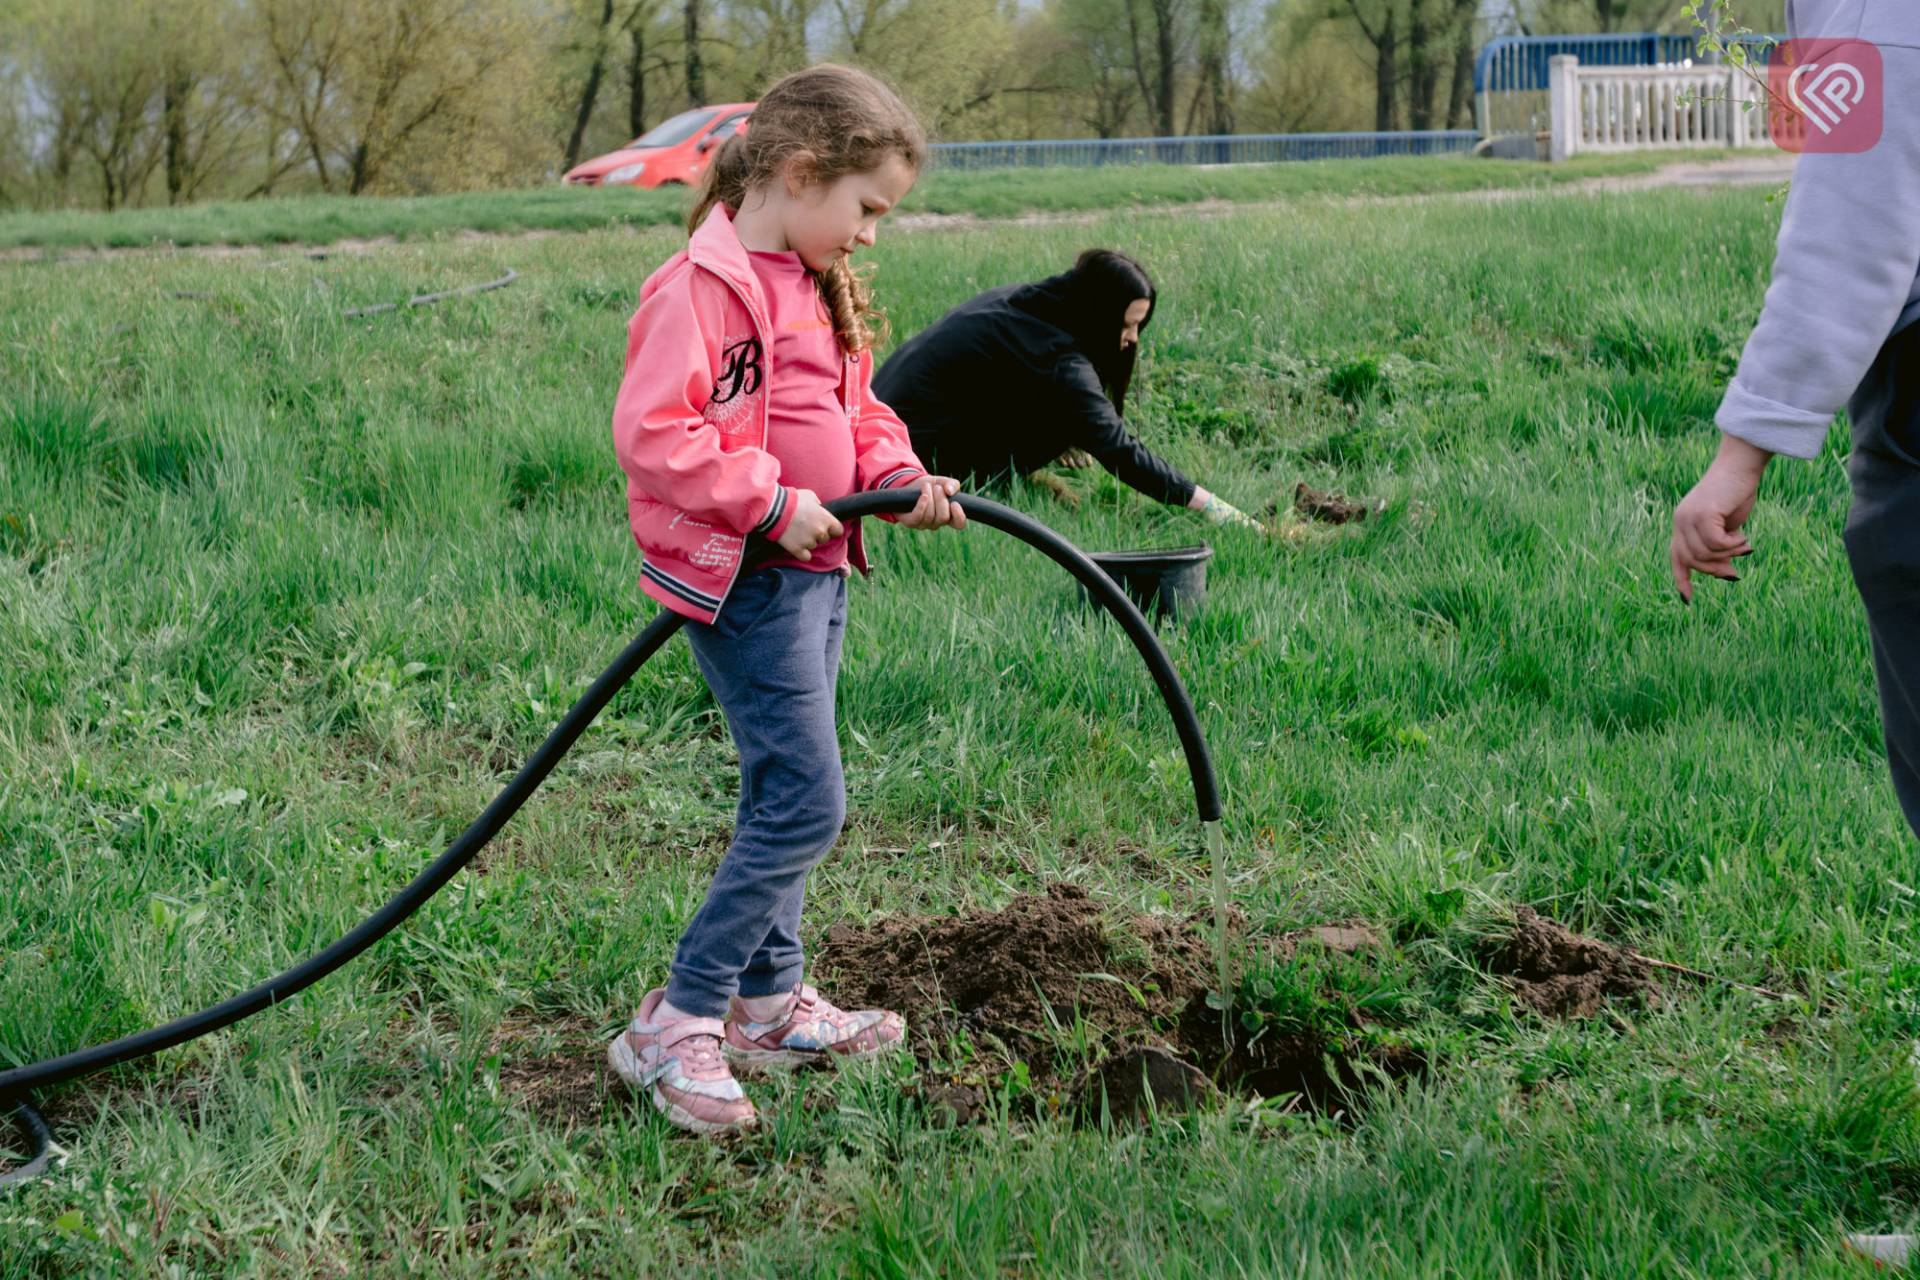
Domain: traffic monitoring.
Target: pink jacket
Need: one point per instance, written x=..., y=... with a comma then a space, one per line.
x=690, y=425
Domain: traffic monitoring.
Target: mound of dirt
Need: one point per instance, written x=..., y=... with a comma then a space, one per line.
x=1004, y=980
x=1562, y=974
x=1011, y=976
x=1329, y=508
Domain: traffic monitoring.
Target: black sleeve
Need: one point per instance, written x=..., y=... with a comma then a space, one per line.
x=1097, y=428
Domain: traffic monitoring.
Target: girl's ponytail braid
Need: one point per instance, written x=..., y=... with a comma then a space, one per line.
x=725, y=181
x=856, y=322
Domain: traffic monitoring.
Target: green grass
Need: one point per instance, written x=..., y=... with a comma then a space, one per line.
x=283, y=595
x=321, y=220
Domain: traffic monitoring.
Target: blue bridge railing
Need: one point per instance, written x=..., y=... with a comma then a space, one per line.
x=1511, y=73
x=1233, y=148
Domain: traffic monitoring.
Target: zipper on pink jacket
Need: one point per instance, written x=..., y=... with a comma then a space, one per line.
x=766, y=418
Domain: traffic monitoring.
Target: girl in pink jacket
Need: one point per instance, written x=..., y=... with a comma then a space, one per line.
x=746, y=406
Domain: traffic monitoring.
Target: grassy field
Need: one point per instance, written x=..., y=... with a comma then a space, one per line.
x=320, y=220
x=283, y=597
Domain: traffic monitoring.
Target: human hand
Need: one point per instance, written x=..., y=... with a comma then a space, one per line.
x=812, y=524
x=1706, y=524
x=934, y=510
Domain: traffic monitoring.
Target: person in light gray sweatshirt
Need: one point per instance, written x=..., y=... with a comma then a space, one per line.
x=1839, y=328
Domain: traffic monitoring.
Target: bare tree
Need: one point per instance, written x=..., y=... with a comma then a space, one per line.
x=1422, y=64
x=411, y=73
x=1107, y=102
x=640, y=63
x=119, y=135
x=1084, y=48
x=94, y=67
x=1216, y=76
x=609, y=24
x=1156, y=69
x=856, y=21
x=203, y=109
x=590, y=88
x=1465, y=45
x=972, y=66
x=359, y=80
x=306, y=45
x=1383, y=33
x=695, y=67
x=775, y=31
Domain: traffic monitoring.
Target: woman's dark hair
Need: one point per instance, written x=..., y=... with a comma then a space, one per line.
x=1112, y=282
x=1090, y=302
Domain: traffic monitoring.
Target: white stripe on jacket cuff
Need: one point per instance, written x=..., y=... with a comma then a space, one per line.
x=772, y=517
x=896, y=477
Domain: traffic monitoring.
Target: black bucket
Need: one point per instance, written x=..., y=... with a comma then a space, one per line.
x=1165, y=584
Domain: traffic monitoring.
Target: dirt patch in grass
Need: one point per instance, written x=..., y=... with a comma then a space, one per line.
x=1012, y=983
x=1562, y=974
x=1323, y=1073
x=565, y=1081
x=1139, y=1082
x=1014, y=976
x=1330, y=508
x=1351, y=938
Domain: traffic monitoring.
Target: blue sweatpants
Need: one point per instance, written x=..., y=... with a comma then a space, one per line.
x=772, y=659
x=1883, y=547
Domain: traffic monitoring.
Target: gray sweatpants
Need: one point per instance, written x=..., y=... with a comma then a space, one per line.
x=772, y=659
x=1883, y=546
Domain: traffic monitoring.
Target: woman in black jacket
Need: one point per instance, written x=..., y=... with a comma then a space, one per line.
x=1013, y=379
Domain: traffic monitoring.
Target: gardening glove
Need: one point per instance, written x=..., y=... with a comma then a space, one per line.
x=1220, y=511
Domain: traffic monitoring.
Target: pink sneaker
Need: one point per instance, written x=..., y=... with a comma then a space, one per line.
x=810, y=1030
x=681, y=1067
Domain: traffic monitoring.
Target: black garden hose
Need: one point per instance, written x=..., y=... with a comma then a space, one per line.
x=15, y=1085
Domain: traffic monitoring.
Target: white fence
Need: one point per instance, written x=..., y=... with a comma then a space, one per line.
x=1641, y=108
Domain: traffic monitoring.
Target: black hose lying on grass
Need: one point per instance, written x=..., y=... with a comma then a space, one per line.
x=15, y=1085
x=428, y=299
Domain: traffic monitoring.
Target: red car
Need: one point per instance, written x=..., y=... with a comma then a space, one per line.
x=675, y=150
